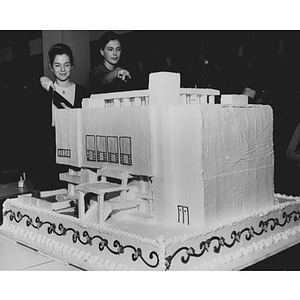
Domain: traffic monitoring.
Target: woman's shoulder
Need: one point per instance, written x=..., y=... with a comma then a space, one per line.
x=99, y=69
x=80, y=86
x=82, y=90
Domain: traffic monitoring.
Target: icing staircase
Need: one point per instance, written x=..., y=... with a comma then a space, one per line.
x=92, y=213
x=111, y=196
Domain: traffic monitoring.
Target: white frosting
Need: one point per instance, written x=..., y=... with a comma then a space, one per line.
x=234, y=99
x=214, y=162
x=161, y=245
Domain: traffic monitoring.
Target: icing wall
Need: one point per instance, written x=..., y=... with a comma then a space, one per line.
x=187, y=125
x=69, y=137
x=105, y=137
x=223, y=161
x=121, y=134
x=238, y=160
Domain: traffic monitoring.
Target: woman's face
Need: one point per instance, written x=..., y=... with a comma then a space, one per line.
x=62, y=67
x=111, y=53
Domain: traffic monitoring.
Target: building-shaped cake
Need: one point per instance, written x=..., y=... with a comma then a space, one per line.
x=161, y=179
x=176, y=156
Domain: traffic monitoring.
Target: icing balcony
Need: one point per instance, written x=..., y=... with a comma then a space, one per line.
x=119, y=99
x=198, y=96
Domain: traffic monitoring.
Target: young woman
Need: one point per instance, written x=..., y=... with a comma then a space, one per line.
x=109, y=76
x=61, y=63
x=69, y=94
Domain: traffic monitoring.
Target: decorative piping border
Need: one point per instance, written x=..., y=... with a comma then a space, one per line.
x=88, y=240
x=248, y=233
x=189, y=251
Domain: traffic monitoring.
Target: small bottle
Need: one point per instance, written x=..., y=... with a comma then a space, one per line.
x=21, y=183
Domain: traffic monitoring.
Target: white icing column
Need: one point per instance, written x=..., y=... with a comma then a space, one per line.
x=81, y=210
x=100, y=198
x=71, y=185
x=164, y=91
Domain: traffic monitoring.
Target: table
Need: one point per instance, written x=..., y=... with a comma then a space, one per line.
x=11, y=190
x=286, y=260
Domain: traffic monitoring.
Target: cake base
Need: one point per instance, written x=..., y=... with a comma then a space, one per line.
x=129, y=245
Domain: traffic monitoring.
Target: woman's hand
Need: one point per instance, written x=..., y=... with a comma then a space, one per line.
x=123, y=74
x=46, y=83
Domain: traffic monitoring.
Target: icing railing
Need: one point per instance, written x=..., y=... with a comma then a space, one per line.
x=141, y=98
x=200, y=96
x=119, y=99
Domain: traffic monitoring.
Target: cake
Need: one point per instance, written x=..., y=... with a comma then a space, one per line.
x=161, y=179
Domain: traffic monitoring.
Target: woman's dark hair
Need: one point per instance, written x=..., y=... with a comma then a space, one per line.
x=107, y=37
x=59, y=49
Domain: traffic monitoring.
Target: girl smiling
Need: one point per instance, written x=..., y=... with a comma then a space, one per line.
x=109, y=76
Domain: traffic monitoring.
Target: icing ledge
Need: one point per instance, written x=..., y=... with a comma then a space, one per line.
x=164, y=253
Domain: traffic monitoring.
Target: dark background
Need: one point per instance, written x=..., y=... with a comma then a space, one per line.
x=269, y=63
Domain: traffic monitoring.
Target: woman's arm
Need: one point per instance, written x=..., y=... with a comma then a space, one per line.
x=101, y=78
x=46, y=83
x=120, y=73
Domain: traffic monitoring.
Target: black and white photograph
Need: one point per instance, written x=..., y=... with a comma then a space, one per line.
x=171, y=147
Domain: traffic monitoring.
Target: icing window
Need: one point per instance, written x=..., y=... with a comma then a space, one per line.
x=90, y=148
x=63, y=152
x=101, y=148
x=112, y=149
x=125, y=151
